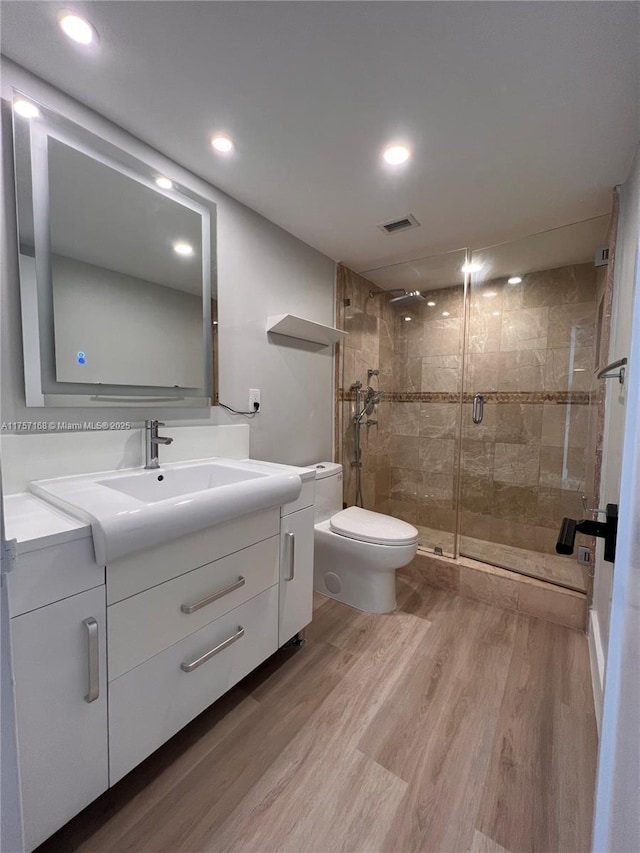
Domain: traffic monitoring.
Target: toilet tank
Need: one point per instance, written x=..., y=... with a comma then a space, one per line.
x=328, y=490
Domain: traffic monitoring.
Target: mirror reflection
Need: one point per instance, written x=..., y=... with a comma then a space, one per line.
x=117, y=266
x=126, y=268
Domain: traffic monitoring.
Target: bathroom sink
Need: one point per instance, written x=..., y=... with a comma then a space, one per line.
x=158, y=485
x=136, y=509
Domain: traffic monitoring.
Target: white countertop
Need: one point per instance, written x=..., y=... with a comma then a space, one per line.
x=35, y=524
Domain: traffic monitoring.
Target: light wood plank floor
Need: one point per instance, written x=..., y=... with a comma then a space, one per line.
x=449, y=725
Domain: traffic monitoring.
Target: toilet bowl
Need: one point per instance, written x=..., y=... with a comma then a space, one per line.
x=356, y=551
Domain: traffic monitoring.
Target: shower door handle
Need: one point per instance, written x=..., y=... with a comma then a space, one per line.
x=477, y=413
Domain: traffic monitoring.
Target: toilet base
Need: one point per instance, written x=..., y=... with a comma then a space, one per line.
x=367, y=592
x=360, y=574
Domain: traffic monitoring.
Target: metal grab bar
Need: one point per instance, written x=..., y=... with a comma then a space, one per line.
x=605, y=373
x=194, y=664
x=214, y=596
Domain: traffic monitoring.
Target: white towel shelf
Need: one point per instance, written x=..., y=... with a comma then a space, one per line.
x=304, y=330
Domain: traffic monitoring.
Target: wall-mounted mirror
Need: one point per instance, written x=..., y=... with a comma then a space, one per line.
x=117, y=272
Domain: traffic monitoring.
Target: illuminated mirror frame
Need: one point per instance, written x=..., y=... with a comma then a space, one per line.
x=36, y=292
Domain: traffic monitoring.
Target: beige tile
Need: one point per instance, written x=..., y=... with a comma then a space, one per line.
x=524, y=329
x=440, y=573
x=563, y=468
x=404, y=510
x=436, y=517
x=565, y=425
x=476, y=494
x=403, y=484
x=475, y=583
x=572, y=325
x=482, y=372
x=520, y=423
x=441, y=373
x=521, y=370
x=477, y=458
x=569, y=369
x=516, y=464
x=556, y=504
x=514, y=503
x=436, y=455
x=403, y=452
x=554, y=605
x=436, y=488
x=484, y=332
x=407, y=373
x=405, y=418
x=439, y=420
x=475, y=525
x=442, y=337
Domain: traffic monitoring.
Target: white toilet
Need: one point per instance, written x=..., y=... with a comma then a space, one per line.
x=357, y=551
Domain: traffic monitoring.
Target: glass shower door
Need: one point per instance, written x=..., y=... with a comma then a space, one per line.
x=527, y=401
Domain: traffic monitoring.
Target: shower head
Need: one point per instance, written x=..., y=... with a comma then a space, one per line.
x=411, y=294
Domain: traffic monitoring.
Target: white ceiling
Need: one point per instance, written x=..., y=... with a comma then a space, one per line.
x=573, y=244
x=521, y=115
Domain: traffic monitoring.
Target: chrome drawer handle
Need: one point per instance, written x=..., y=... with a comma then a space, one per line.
x=94, y=659
x=214, y=596
x=189, y=667
x=291, y=545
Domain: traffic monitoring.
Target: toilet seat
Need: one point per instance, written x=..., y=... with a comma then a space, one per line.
x=367, y=526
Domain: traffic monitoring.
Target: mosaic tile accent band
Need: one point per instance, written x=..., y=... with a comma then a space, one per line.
x=580, y=398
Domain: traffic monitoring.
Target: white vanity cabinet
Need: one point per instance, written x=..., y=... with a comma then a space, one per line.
x=109, y=662
x=60, y=686
x=295, y=604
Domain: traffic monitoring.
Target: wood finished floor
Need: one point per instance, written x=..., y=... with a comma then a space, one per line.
x=449, y=725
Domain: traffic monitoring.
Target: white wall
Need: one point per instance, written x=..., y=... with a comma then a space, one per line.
x=617, y=815
x=261, y=270
x=615, y=412
x=133, y=332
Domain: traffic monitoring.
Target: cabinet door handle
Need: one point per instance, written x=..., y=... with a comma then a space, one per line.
x=291, y=551
x=94, y=659
x=194, y=664
x=214, y=596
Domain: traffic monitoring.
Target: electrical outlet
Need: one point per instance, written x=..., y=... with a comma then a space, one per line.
x=254, y=397
x=585, y=557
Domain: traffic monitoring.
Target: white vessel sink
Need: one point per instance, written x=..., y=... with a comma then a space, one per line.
x=137, y=509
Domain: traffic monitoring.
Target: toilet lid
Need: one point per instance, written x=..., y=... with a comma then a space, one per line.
x=367, y=526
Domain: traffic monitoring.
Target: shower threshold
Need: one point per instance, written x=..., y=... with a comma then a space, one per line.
x=550, y=568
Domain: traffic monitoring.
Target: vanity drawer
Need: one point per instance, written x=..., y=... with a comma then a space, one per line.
x=152, y=702
x=145, y=569
x=147, y=623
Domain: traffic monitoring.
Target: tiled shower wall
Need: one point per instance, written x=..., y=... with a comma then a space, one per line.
x=531, y=353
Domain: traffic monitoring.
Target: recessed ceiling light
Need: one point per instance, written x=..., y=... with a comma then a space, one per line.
x=495, y=313
x=471, y=266
x=396, y=154
x=515, y=279
x=431, y=304
x=26, y=109
x=164, y=183
x=445, y=313
x=489, y=294
x=406, y=319
x=76, y=28
x=182, y=248
x=222, y=144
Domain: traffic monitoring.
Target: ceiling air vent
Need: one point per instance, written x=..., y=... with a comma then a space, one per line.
x=403, y=224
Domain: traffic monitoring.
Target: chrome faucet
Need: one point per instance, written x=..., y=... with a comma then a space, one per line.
x=152, y=440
